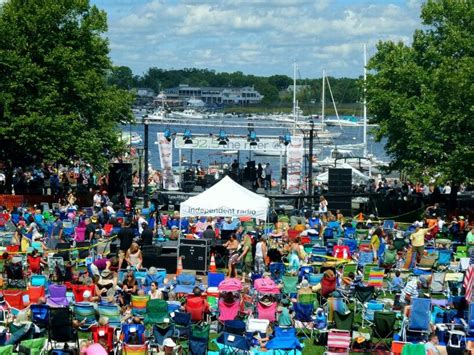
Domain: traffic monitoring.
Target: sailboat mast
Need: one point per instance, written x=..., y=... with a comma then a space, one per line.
x=294, y=97
x=322, y=97
x=365, y=101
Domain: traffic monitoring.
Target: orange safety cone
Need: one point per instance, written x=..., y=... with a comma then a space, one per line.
x=212, y=267
x=179, y=269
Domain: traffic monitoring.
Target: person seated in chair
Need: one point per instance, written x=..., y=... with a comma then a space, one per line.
x=35, y=262
x=197, y=293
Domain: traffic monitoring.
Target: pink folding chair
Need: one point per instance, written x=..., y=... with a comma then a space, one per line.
x=339, y=342
x=228, y=311
x=80, y=234
x=267, y=311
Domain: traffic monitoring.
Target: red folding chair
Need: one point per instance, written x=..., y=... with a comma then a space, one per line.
x=103, y=335
x=293, y=234
x=35, y=293
x=13, y=248
x=108, y=229
x=14, y=298
x=197, y=307
x=78, y=291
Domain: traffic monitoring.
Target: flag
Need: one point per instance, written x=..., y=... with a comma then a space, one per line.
x=469, y=282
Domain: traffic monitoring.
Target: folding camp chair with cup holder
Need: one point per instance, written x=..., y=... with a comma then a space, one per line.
x=366, y=271
x=383, y=329
x=277, y=271
x=368, y=311
x=233, y=343
x=417, y=325
x=33, y=346
x=60, y=329
x=139, y=305
x=290, y=284
x=284, y=340
x=156, y=311
x=103, y=335
x=85, y=311
x=376, y=275
x=303, y=318
x=344, y=321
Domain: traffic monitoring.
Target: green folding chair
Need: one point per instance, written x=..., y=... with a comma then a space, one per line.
x=156, y=311
x=289, y=285
x=461, y=252
x=344, y=321
x=6, y=350
x=33, y=346
x=362, y=234
x=383, y=329
x=309, y=298
x=348, y=268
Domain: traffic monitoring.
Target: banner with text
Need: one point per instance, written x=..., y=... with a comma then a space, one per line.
x=165, y=149
x=294, y=163
x=235, y=143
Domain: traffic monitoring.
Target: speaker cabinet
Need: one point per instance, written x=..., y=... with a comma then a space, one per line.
x=340, y=181
x=194, y=254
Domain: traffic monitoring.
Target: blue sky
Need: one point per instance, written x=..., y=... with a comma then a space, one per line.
x=262, y=37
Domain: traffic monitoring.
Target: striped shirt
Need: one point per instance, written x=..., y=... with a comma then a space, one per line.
x=411, y=289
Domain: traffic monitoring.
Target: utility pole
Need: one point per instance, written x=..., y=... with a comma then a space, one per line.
x=145, y=175
x=310, y=162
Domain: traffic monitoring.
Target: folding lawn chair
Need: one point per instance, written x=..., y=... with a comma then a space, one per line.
x=161, y=332
x=235, y=327
x=444, y=257
x=33, y=346
x=366, y=271
x=339, y=342
x=267, y=310
x=383, y=329
x=39, y=280
x=60, y=329
x=14, y=299
x=129, y=349
x=277, y=271
x=112, y=312
x=35, y=293
x=308, y=298
x=284, y=340
x=304, y=319
x=418, y=323
x=437, y=285
x=133, y=333
x=40, y=315
x=344, y=321
x=368, y=311
x=335, y=304
x=351, y=243
x=348, y=268
x=15, y=275
x=195, y=306
x=247, y=305
x=182, y=324
x=139, y=305
x=365, y=258
x=103, y=335
x=376, y=276
x=57, y=296
x=84, y=311
x=78, y=291
x=290, y=284
x=349, y=233
x=214, y=279
x=388, y=225
x=314, y=279
x=461, y=252
x=156, y=311
x=185, y=283
x=233, y=343
x=318, y=254
x=469, y=322
x=228, y=311
x=304, y=272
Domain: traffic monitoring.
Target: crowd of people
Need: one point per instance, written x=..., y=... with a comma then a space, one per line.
x=300, y=273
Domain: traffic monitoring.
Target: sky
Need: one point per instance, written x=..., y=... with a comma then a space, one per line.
x=261, y=37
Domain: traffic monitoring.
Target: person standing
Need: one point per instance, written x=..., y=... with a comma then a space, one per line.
x=125, y=235
x=417, y=239
x=246, y=256
x=260, y=255
x=268, y=177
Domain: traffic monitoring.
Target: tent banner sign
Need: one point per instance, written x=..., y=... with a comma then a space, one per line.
x=235, y=143
x=220, y=211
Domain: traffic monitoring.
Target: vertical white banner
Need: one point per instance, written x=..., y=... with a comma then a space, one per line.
x=294, y=163
x=165, y=149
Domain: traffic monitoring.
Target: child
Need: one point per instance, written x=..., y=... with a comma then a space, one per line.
x=285, y=318
x=257, y=340
x=397, y=282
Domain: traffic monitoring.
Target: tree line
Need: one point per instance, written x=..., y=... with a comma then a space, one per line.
x=274, y=88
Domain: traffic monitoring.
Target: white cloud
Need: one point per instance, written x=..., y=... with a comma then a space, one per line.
x=256, y=36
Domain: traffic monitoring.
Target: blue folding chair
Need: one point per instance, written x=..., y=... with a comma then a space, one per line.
x=277, y=271
x=215, y=278
x=314, y=279
x=350, y=233
x=127, y=329
x=388, y=224
x=469, y=325
x=285, y=340
x=369, y=310
x=185, y=283
x=39, y=280
x=417, y=327
x=40, y=314
x=318, y=254
x=444, y=257
x=304, y=318
x=365, y=257
x=304, y=272
x=234, y=343
x=351, y=243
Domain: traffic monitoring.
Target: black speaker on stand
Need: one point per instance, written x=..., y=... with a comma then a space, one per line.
x=120, y=179
x=340, y=190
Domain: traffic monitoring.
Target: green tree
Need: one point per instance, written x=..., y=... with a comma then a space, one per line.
x=122, y=77
x=54, y=99
x=422, y=96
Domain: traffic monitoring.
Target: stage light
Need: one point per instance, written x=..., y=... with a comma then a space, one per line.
x=187, y=137
x=285, y=139
x=167, y=134
x=252, y=138
x=222, y=139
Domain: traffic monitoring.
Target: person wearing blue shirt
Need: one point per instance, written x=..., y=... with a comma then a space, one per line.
x=314, y=222
x=335, y=226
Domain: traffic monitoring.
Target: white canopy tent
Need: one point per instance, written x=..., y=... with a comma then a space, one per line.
x=227, y=199
x=357, y=176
